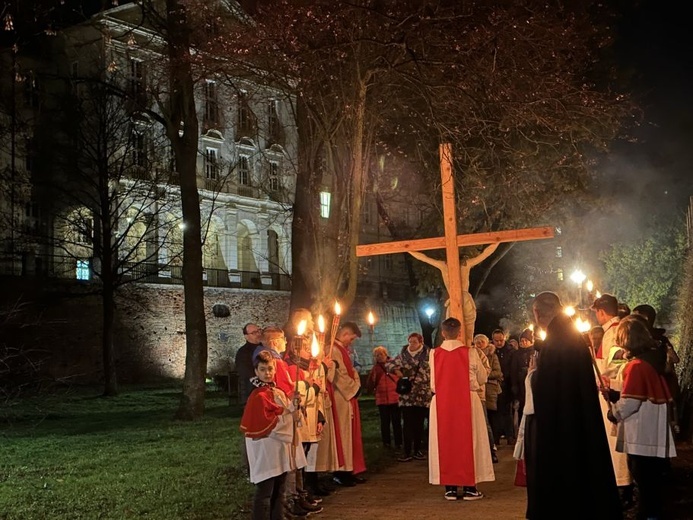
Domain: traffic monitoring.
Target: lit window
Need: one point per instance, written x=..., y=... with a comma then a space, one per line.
x=273, y=176
x=559, y=275
x=211, y=163
x=243, y=170
x=82, y=271
x=325, y=204
x=559, y=252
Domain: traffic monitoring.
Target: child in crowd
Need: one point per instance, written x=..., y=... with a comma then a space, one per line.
x=268, y=426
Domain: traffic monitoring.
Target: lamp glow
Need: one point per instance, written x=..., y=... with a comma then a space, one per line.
x=314, y=347
x=569, y=310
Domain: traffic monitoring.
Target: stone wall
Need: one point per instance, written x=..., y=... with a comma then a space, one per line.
x=61, y=325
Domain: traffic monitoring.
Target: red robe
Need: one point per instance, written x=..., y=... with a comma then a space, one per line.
x=451, y=459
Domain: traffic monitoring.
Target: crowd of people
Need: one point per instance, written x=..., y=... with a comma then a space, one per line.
x=601, y=403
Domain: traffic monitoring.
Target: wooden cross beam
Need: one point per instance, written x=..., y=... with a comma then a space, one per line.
x=452, y=241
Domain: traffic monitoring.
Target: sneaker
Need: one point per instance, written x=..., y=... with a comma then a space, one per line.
x=419, y=456
x=405, y=458
x=451, y=495
x=472, y=495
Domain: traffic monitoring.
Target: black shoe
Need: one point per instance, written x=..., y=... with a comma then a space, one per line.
x=343, y=481
x=293, y=509
x=419, y=456
x=494, y=457
x=307, y=506
x=358, y=480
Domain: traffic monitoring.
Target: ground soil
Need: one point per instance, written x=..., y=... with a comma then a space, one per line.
x=402, y=492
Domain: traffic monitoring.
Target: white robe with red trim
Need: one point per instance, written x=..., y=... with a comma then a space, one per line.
x=459, y=451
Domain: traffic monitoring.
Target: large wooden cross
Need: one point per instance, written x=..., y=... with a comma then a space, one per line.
x=452, y=241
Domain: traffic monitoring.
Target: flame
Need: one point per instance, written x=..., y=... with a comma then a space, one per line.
x=371, y=318
x=314, y=347
x=598, y=295
x=531, y=327
x=321, y=324
x=542, y=334
x=582, y=325
x=569, y=310
x=301, y=328
x=590, y=285
x=337, y=308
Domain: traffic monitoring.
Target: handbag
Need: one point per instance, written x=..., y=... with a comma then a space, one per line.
x=521, y=473
x=404, y=384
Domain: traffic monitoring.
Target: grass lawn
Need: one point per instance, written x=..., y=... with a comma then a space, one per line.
x=80, y=456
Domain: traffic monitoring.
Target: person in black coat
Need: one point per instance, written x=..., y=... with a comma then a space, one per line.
x=566, y=450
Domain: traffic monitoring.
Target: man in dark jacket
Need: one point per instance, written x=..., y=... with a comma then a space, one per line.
x=503, y=418
x=244, y=360
x=566, y=450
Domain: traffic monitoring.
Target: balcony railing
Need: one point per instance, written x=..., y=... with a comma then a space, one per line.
x=66, y=268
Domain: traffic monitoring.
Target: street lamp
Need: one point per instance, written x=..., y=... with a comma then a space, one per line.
x=429, y=311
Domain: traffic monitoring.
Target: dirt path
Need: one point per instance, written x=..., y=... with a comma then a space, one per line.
x=402, y=491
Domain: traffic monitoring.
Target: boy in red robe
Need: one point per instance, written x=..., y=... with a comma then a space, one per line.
x=268, y=426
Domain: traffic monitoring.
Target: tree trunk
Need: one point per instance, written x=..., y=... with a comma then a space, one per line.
x=183, y=132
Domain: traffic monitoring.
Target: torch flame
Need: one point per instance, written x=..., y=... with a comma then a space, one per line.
x=569, y=310
x=337, y=308
x=542, y=334
x=321, y=324
x=301, y=327
x=582, y=325
x=314, y=347
x=371, y=318
x=590, y=285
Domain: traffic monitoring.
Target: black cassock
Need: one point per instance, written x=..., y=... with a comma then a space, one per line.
x=569, y=469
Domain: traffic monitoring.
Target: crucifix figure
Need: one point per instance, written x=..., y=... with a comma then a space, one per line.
x=455, y=275
x=468, y=305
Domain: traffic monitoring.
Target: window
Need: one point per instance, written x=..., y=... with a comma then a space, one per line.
x=211, y=103
x=366, y=213
x=273, y=176
x=136, y=79
x=84, y=230
x=32, y=214
x=243, y=170
x=559, y=275
x=211, y=163
x=325, y=197
x=139, y=150
x=31, y=91
x=245, y=116
x=82, y=271
x=559, y=252
x=273, y=123
x=29, y=154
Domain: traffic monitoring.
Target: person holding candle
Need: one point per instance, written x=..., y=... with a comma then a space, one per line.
x=346, y=384
x=267, y=425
